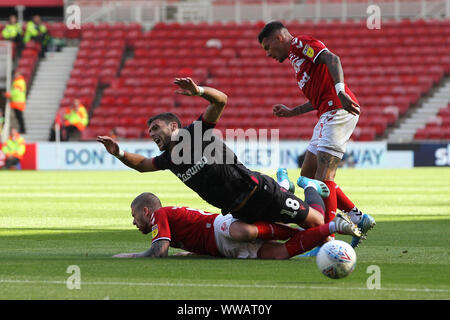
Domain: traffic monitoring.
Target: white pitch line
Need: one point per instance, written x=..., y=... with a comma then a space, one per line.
x=215, y=285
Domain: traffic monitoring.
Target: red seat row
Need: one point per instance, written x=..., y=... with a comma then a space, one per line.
x=386, y=77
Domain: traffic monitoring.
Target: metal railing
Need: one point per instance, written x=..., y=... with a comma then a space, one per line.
x=6, y=70
x=153, y=11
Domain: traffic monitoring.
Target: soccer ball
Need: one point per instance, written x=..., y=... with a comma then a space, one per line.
x=336, y=259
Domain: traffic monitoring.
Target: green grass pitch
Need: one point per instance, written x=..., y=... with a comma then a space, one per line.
x=52, y=220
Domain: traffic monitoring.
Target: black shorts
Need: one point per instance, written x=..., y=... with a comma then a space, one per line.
x=272, y=203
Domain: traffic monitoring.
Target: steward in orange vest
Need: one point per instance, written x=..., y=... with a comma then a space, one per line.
x=18, y=98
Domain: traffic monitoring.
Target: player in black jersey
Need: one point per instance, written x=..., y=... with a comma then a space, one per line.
x=205, y=164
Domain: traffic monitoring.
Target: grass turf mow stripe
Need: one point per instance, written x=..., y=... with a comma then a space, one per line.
x=51, y=220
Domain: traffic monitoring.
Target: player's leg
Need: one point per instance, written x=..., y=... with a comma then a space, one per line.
x=327, y=165
x=309, y=165
x=275, y=204
x=346, y=205
x=291, y=209
x=283, y=180
x=364, y=221
x=331, y=147
x=305, y=240
x=332, y=131
x=308, y=169
x=242, y=231
x=336, y=127
x=343, y=202
x=224, y=226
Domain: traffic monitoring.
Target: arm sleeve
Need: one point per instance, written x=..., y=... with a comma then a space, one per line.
x=206, y=125
x=160, y=227
x=160, y=162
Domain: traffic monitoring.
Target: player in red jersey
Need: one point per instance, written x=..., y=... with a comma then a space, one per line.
x=320, y=76
x=212, y=234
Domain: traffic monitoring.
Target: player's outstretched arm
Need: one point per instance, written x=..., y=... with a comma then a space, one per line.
x=217, y=99
x=282, y=111
x=333, y=64
x=132, y=160
x=159, y=249
x=185, y=253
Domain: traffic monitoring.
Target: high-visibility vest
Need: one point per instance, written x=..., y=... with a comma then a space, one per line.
x=18, y=95
x=14, y=147
x=11, y=31
x=78, y=118
x=32, y=30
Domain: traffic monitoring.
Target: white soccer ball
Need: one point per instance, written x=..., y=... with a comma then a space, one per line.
x=336, y=259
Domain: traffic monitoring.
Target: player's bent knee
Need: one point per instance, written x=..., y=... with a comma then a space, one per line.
x=314, y=218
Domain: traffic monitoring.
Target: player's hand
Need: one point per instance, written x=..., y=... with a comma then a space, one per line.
x=124, y=255
x=110, y=144
x=187, y=87
x=348, y=104
x=280, y=110
x=184, y=253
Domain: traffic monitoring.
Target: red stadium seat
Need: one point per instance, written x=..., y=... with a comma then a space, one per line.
x=386, y=81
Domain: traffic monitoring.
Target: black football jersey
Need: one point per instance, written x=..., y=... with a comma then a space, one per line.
x=203, y=162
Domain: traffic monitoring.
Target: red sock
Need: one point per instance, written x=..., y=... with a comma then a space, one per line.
x=330, y=202
x=306, y=240
x=343, y=202
x=273, y=231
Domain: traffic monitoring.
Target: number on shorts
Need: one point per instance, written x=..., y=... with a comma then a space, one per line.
x=292, y=203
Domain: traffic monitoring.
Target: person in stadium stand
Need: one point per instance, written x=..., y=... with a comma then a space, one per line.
x=14, y=149
x=320, y=76
x=13, y=32
x=205, y=233
x=212, y=170
x=18, y=98
x=75, y=120
x=37, y=31
x=2, y=120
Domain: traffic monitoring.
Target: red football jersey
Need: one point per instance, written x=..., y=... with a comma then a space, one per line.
x=185, y=228
x=314, y=79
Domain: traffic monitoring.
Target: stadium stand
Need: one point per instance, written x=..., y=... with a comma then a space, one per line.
x=28, y=59
x=437, y=128
x=388, y=77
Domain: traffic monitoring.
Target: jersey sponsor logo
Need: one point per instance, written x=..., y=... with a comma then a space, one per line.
x=308, y=51
x=291, y=214
x=304, y=80
x=154, y=231
x=297, y=63
x=189, y=173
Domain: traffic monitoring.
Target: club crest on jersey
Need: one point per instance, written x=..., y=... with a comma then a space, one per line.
x=223, y=227
x=154, y=231
x=308, y=51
